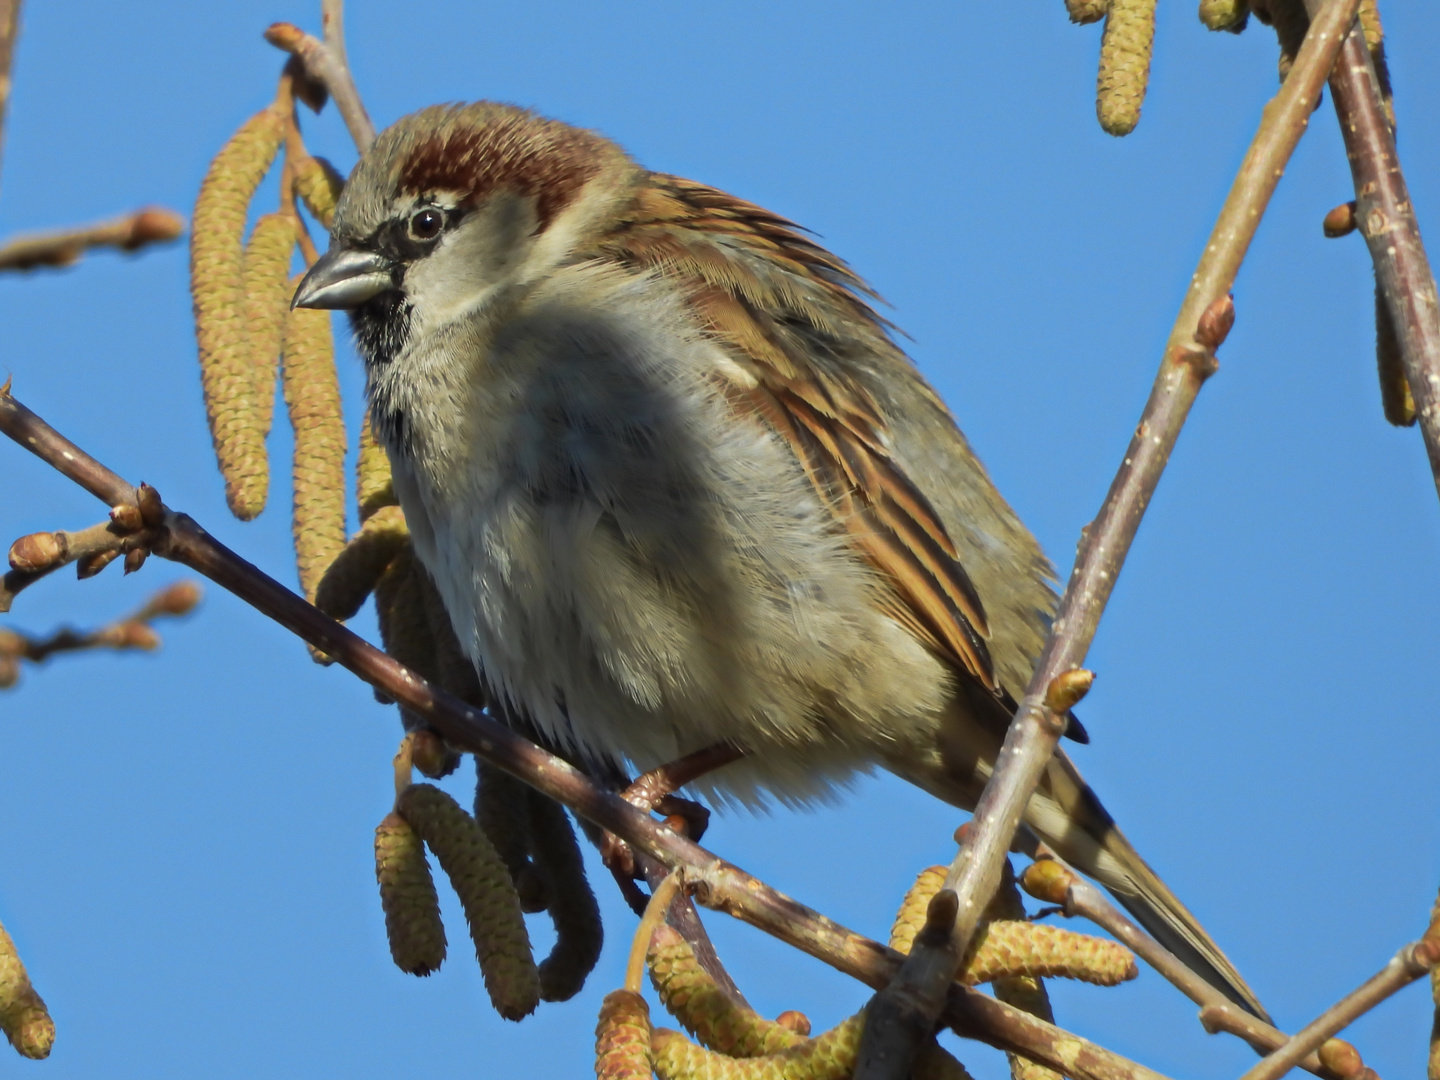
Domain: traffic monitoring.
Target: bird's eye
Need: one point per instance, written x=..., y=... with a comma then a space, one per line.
x=426, y=224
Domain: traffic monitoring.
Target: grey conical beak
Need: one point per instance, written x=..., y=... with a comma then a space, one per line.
x=344, y=278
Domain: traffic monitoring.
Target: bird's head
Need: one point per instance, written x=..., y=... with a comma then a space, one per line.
x=454, y=203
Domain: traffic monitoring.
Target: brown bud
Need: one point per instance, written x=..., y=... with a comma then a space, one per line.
x=153, y=225
x=1067, y=689
x=1124, y=64
x=1341, y=1058
x=1341, y=221
x=1046, y=879
x=38, y=552
x=152, y=509
x=135, y=559
x=177, y=599
x=1215, y=322
x=796, y=1021
x=136, y=635
x=622, y=1037
x=284, y=35
x=91, y=565
x=432, y=755
x=126, y=518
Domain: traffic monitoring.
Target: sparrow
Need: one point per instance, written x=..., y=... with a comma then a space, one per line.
x=678, y=486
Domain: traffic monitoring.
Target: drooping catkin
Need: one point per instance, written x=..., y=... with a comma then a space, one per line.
x=318, y=184
x=1086, y=11
x=404, y=625
x=407, y=894
x=354, y=573
x=238, y=422
x=265, y=279
x=312, y=398
x=579, y=932
x=622, y=1037
x=1229, y=15
x=1375, y=41
x=1124, y=64
x=374, y=489
x=23, y=1016
x=502, y=807
x=1290, y=21
x=492, y=910
x=1396, y=397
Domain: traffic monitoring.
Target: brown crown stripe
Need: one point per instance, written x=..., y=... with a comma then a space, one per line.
x=549, y=162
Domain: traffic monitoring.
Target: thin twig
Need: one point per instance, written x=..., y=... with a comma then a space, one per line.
x=712, y=881
x=890, y=1039
x=131, y=632
x=9, y=31
x=1050, y=880
x=63, y=247
x=93, y=549
x=1386, y=219
x=326, y=64
x=1409, y=964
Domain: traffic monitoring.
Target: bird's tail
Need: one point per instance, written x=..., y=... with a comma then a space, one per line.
x=1067, y=815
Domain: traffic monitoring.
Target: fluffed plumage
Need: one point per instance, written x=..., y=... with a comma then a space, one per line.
x=677, y=484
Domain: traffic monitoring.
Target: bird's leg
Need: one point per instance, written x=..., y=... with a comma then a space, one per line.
x=655, y=790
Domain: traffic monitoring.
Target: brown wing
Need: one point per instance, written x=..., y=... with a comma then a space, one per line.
x=789, y=313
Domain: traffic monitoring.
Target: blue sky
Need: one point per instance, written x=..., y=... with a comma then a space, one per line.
x=186, y=865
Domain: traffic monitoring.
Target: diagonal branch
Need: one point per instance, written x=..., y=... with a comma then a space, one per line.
x=1410, y=963
x=1386, y=218
x=712, y=881
x=905, y=1012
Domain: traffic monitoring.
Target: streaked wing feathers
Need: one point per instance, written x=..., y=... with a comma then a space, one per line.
x=786, y=309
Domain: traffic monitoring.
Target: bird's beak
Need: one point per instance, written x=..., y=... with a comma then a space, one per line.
x=344, y=278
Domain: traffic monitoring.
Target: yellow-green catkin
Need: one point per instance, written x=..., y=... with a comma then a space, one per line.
x=1124, y=64
x=23, y=1016
x=265, y=278
x=318, y=184
x=1025, y=992
x=1395, y=395
x=312, y=398
x=579, y=932
x=373, y=487
x=354, y=573
x=1375, y=41
x=238, y=422
x=407, y=894
x=480, y=879
x=1229, y=15
x=622, y=1037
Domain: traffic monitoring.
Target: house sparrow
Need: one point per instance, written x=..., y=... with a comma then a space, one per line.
x=678, y=486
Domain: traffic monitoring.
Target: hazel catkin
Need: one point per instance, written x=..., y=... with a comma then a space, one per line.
x=407, y=894
x=238, y=422
x=23, y=1016
x=1124, y=64
x=480, y=879
x=312, y=398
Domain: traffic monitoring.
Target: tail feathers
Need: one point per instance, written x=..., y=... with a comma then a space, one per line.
x=1066, y=814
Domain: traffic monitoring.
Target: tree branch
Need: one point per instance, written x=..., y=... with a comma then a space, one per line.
x=1049, y=880
x=712, y=881
x=1409, y=964
x=325, y=63
x=1386, y=219
x=889, y=1044
x=63, y=247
